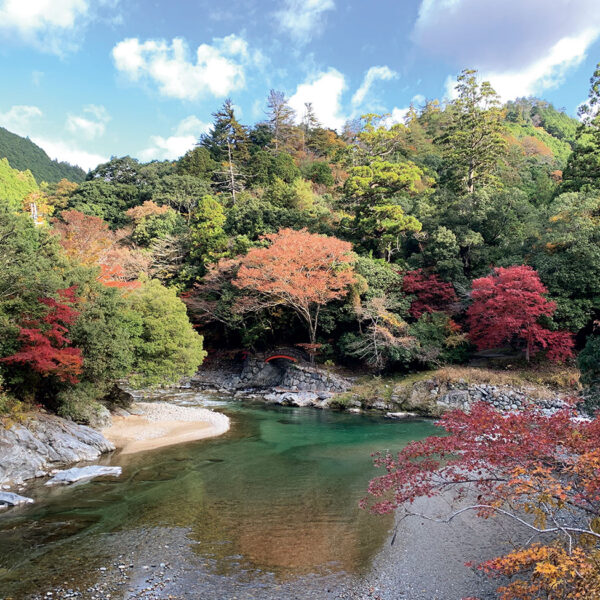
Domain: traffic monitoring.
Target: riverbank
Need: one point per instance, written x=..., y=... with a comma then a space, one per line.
x=160, y=424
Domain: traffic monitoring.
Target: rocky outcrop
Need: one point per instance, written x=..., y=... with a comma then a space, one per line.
x=10, y=499
x=434, y=397
x=87, y=473
x=44, y=442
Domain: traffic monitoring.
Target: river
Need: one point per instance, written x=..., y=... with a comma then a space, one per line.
x=268, y=510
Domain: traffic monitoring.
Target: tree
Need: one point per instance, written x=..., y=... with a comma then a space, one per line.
x=196, y=162
x=583, y=167
x=228, y=145
x=507, y=306
x=83, y=237
x=431, y=293
x=280, y=117
x=45, y=347
x=299, y=270
x=169, y=348
x=375, y=191
x=207, y=237
x=473, y=137
x=385, y=338
x=540, y=471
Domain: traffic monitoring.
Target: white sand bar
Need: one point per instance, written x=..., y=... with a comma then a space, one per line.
x=164, y=424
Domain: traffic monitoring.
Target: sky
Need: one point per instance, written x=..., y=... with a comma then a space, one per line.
x=91, y=79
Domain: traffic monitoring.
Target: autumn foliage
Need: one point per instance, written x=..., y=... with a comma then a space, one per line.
x=431, y=293
x=45, y=347
x=541, y=471
x=83, y=237
x=507, y=306
x=299, y=270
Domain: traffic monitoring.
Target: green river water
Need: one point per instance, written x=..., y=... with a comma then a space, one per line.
x=274, y=500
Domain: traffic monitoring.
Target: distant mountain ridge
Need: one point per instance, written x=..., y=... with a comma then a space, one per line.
x=23, y=154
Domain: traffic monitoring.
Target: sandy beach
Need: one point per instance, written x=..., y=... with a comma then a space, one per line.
x=163, y=424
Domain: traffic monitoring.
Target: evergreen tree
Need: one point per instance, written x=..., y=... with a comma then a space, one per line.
x=280, y=117
x=473, y=137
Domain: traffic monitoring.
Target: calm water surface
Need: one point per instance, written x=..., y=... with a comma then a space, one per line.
x=273, y=500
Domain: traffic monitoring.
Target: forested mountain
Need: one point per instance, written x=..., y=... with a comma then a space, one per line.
x=23, y=154
x=471, y=225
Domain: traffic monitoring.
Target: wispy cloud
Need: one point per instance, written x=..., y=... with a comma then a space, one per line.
x=303, y=19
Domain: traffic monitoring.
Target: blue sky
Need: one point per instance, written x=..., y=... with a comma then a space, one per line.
x=87, y=79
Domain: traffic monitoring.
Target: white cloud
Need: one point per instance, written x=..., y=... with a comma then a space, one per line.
x=383, y=73
x=18, y=118
x=53, y=26
x=184, y=138
x=522, y=48
x=396, y=116
x=90, y=126
x=302, y=19
x=66, y=151
x=546, y=73
x=217, y=69
x=324, y=90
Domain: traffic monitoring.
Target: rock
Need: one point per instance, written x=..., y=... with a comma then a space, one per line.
x=10, y=499
x=99, y=417
x=401, y=415
x=379, y=405
x=83, y=474
x=45, y=442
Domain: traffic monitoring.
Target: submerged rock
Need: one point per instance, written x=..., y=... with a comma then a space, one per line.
x=45, y=442
x=83, y=474
x=11, y=499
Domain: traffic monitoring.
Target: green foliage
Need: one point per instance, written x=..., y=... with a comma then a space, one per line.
x=318, y=172
x=106, y=200
x=439, y=340
x=473, y=136
x=567, y=257
x=588, y=362
x=15, y=185
x=168, y=348
x=207, y=237
x=196, y=162
x=23, y=154
x=156, y=227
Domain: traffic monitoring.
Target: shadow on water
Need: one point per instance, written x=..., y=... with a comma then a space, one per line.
x=277, y=494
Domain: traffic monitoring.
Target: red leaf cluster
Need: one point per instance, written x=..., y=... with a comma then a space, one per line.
x=45, y=347
x=506, y=308
x=431, y=293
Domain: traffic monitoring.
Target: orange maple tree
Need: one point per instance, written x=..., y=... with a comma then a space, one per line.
x=300, y=270
x=83, y=237
x=542, y=471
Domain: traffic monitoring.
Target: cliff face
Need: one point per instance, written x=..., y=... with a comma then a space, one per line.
x=44, y=442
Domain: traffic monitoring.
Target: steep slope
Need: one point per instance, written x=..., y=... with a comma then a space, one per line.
x=23, y=154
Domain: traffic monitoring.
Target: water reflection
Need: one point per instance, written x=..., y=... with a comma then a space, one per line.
x=277, y=494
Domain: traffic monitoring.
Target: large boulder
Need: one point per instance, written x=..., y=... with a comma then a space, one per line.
x=43, y=442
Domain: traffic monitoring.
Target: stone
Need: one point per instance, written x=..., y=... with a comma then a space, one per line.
x=11, y=499
x=83, y=474
x=400, y=415
x=45, y=442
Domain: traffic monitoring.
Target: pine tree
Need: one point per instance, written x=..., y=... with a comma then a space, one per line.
x=280, y=117
x=473, y=137
x=583, y=167
x=228, y=144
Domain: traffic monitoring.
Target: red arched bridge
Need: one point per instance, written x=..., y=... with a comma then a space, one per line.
x=281, y=353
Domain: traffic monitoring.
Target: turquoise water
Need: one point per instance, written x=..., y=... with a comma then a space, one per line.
x=277, y=494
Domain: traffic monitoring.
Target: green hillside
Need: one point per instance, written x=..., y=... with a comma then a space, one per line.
x=23, y=154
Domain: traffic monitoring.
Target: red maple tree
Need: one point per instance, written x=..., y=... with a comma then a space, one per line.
x=431, y=293
x=541, y=471
x=300, y=270
x=506, y=308
x=45, y=347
